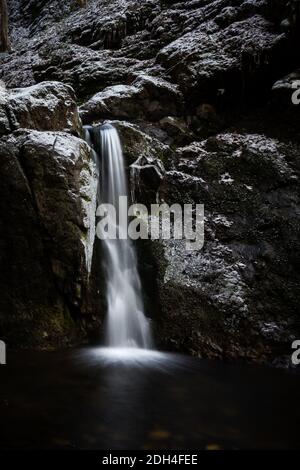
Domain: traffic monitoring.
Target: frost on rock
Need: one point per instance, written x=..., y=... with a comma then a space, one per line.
x=47, y=106
x=196, y=268
x=220, y=291
x=149, y=97
x=200, y=55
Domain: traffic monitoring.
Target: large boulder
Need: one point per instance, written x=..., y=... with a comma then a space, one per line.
x=32, y=312
x=46, y=106
x=145, y=155
x=63, y=179
x=147, y=97
x=239, y=295
x=136, y=143
x=48, y=203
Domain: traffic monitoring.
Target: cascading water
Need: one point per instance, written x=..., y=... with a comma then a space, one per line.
x=126, y=324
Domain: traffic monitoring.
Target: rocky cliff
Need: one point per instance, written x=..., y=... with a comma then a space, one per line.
x=201, y=92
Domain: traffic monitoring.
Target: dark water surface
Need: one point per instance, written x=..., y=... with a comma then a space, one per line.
x=89, y=399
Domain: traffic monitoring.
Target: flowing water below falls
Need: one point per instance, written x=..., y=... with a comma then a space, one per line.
x=126, y=324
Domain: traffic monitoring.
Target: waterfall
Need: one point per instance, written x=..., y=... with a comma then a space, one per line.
x=126, y=323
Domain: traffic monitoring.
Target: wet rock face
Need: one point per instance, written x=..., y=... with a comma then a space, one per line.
x=62, y=177
x=48, y=204
x=147, y=98
x=32, y=312
x=239, y=294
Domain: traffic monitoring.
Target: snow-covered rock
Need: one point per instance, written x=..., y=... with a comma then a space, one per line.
x=46, y=106
x=147, y=97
